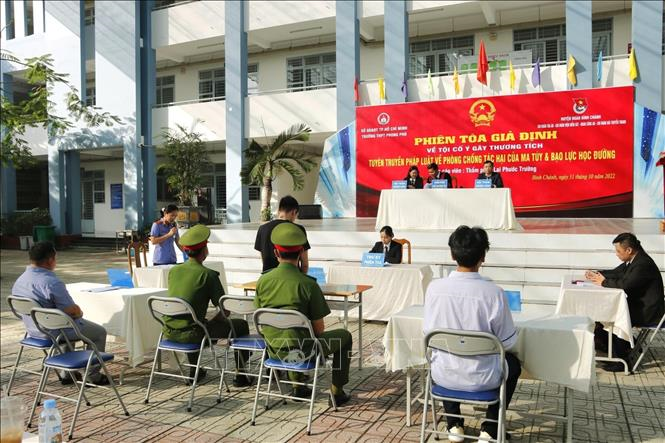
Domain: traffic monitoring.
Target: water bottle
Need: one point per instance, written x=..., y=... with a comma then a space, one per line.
x=50, y=423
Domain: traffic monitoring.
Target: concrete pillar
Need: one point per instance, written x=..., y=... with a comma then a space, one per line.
x=647, y=31
x=235, y=60
x=148, y=75
x=118, y=74
x=8, y=178
x=396, y=66
x=578, y=41
x=56, y=186
x=73, y=192
x=347, y=56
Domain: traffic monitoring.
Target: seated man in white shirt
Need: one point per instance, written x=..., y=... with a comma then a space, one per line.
x=466, y=301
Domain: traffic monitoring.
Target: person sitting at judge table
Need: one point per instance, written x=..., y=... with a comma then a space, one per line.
x=413, y=178
x=390, y=248
x=489, y=174
x=640, y=279
x=435, y=174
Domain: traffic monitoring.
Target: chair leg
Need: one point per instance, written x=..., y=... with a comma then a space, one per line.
x=115, y=389
x=152, y=374
x=221, y=376
x=647, y=345
x=436, y=424
x=311, y=400
x=423, y=425
x=177, y=360
x=38, y=394
x=195, y=381
x=80, y=397
x=267, y=405
x=256, y=395
x=11, y=377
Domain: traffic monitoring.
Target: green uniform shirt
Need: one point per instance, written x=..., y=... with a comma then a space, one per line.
x=197, y=285
x=285, y=287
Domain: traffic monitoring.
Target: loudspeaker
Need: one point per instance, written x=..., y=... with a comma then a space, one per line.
x=310, y=212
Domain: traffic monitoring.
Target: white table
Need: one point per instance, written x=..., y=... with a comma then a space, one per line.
x=552, y=348
x=123, y=312
x=446, y=209
x=158, y=276
x=394, y=287
x=608, y=306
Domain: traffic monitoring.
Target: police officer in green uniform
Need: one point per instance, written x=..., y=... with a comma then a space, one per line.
x=198, y=285
x=285, y=287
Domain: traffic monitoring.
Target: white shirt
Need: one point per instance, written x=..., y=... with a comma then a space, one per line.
x=466, y=301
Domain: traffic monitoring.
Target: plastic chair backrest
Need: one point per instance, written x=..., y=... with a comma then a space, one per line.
x=463, y=343
x=403, y=241
x=21, y=305
x=171, y=306
x=287, y=319
x=48, y=321
x=238, y=304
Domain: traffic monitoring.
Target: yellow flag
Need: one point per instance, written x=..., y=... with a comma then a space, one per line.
x=572, y=77
x=382, y=90
x=632, y=64
x=512, y=76
x=456, y=80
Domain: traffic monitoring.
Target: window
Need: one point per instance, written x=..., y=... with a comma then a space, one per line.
x=165, y=90
x=252, y=78
x=254, y=192
x=438, y=55
x=549, y=42
x=311, y=72
x=9, y=20
x=89, y=18
x=164, y=192
x=29, y=16
x=97, y=179
x=90, y=90
x=212, y=85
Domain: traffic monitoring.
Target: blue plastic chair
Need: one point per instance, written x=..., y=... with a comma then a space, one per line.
x=296, y=361
x=463, y=344
x=254, y=343
x=172, y=306
x=21, y=306
x=56, y=324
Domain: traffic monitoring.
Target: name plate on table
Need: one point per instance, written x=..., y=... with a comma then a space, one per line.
x=373, y=260
x=399, y=184
x=440, y=184
x=514, y=300
x=483, y=183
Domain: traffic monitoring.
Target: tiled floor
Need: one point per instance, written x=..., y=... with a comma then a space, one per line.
x=619, y=409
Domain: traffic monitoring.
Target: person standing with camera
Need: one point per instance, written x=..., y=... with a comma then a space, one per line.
x=164, y=234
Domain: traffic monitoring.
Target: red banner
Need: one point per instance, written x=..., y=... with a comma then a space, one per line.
x=561, y=153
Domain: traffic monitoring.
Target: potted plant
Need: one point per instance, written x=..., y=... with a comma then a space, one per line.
x=187, y=158
x=265, y=162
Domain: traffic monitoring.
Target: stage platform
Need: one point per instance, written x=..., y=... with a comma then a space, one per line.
x=532, y=260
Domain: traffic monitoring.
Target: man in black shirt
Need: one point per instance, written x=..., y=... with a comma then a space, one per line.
x=489, y=174
x=286, y=213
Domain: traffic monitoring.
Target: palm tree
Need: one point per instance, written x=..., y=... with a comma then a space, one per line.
x=265, y=162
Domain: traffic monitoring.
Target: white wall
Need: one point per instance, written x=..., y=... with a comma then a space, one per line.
x=187, y=22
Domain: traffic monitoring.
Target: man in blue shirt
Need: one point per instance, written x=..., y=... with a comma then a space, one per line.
x=39, y=283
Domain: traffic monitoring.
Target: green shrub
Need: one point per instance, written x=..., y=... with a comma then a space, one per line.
x=21, y=223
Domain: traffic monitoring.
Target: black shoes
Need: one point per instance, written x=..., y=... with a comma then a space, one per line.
x=242, y=381
x=302, y=392
x=68, y=380
x=340, y=399
x=192, y=372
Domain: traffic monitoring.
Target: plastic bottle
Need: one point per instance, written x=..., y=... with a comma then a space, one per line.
x=50, y=423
